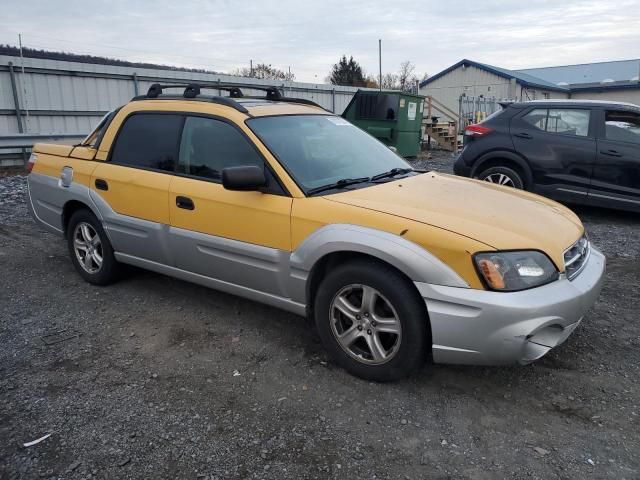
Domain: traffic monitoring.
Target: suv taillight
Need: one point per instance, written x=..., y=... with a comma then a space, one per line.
x=477, y=130
x=32, y=161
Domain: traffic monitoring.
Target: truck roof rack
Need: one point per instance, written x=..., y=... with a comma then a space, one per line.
x=192, y=91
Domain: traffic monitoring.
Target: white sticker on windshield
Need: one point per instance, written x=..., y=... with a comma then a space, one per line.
x=338, y=121
x=411, y=111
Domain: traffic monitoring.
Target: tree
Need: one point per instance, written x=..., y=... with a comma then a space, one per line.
x=264, y=72
x=390, y=81
x=406, y=78
x=347, y=72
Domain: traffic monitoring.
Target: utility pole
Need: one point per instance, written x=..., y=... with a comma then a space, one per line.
x=380, y=61
x=251, y=68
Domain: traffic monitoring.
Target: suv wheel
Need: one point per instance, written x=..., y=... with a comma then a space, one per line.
x=90, y=249
x=502, y=176
x=372, y=321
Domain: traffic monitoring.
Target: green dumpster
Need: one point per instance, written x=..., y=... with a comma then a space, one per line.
x=394, y=118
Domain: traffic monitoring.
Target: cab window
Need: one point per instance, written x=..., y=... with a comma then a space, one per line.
x=622, y=126
x=208, y=146
x=148, y=141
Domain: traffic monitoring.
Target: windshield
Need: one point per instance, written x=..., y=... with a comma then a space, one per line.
x=318, y=150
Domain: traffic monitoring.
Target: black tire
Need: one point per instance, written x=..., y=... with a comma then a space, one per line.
x=495, y=173
x=109, y=268
x=410, y=349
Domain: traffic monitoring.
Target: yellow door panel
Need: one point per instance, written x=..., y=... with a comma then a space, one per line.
x=134, y=192
x=252, y=217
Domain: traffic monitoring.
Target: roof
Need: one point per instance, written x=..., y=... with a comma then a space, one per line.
x=619, y=70
x=524, y=79
x=575, y=102
x=261, y=108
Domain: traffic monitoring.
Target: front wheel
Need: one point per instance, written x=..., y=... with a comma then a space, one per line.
x=372, y=321
x=502, y=176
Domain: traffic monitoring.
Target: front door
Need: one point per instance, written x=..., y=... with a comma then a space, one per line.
x=242, y=238
x=131, y=188
x=560, y=147
x=616, y=173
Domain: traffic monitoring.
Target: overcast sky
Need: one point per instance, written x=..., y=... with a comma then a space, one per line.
x=309, y=36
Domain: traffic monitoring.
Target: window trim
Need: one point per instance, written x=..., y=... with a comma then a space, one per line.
x=591, y=132
x=280, y=189
x=604, y=126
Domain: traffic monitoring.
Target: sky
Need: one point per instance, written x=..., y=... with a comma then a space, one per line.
x=310, y=36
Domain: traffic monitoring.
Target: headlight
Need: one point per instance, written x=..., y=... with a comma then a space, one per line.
x=513, y=271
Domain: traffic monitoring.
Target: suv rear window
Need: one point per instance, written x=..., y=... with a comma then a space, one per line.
x=569, y=121
x=148, y=140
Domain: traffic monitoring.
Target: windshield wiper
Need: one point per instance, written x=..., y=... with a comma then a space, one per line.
x=343, y=182
x=391, y=173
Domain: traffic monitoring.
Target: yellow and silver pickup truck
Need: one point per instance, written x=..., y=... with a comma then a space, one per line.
x=282, y=202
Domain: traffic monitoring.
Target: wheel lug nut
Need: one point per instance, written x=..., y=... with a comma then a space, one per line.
x=358, y=317
x=373, y=324
x=366, y=314
x=359, y=327
x=369, y=331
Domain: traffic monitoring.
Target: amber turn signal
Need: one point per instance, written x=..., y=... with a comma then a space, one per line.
x=491, y=274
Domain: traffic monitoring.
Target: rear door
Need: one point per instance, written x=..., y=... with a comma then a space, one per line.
x=616, y=173
x=131, y=189
x=559, y=145
x=242, y=238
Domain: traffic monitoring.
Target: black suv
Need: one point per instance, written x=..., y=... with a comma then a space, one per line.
x=575, y=151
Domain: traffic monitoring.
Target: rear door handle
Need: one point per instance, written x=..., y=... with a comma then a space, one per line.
x=523, y=135
x=611, y=153
x=185, y=202
x=101, y=184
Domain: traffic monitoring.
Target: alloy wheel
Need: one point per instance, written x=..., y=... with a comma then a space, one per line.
x=365, y=324
x=500, y=179
x=87, y=247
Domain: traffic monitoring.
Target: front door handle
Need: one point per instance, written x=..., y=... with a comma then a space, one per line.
x=523, y=135
x=101, y=184
x=185, y=202
x=611, y=153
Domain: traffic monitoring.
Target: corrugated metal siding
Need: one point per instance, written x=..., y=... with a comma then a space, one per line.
x=588, y=72
x=473, y=82
x=469, y=80
x=51, y=86
x=627, y=95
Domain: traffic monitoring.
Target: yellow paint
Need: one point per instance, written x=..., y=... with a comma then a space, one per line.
x=309, y=214
x=134, y=192
x=52, y=165
x=84, y=153
x=252, y=217
x=503, y=218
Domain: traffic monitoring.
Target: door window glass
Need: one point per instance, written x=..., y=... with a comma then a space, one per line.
x=148, y=141
x=565, y=121
x=537, y=118
x=568, y=122
x=622, y=126
x=208, y=146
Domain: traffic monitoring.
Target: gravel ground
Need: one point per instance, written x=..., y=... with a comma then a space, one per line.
x=157, y=378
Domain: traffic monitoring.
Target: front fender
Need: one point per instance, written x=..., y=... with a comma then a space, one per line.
x=414, y=261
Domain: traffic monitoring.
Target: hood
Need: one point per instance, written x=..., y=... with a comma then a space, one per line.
x=501, y=217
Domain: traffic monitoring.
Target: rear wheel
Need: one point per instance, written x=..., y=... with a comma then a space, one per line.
x=90, y=249
x=372, y=321
x=504, y=176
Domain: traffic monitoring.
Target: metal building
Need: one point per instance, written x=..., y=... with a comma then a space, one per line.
x=46, y=97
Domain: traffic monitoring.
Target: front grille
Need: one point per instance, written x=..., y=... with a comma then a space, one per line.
x=575, y=257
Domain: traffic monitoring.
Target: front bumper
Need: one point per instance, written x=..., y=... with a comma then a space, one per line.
x=480, y=327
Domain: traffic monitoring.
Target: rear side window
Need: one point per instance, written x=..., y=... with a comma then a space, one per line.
x=622, y=126
x=568, y=121
x=208, y=146
x=148, y=141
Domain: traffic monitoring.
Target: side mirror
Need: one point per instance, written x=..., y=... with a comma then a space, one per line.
x=244, y=178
